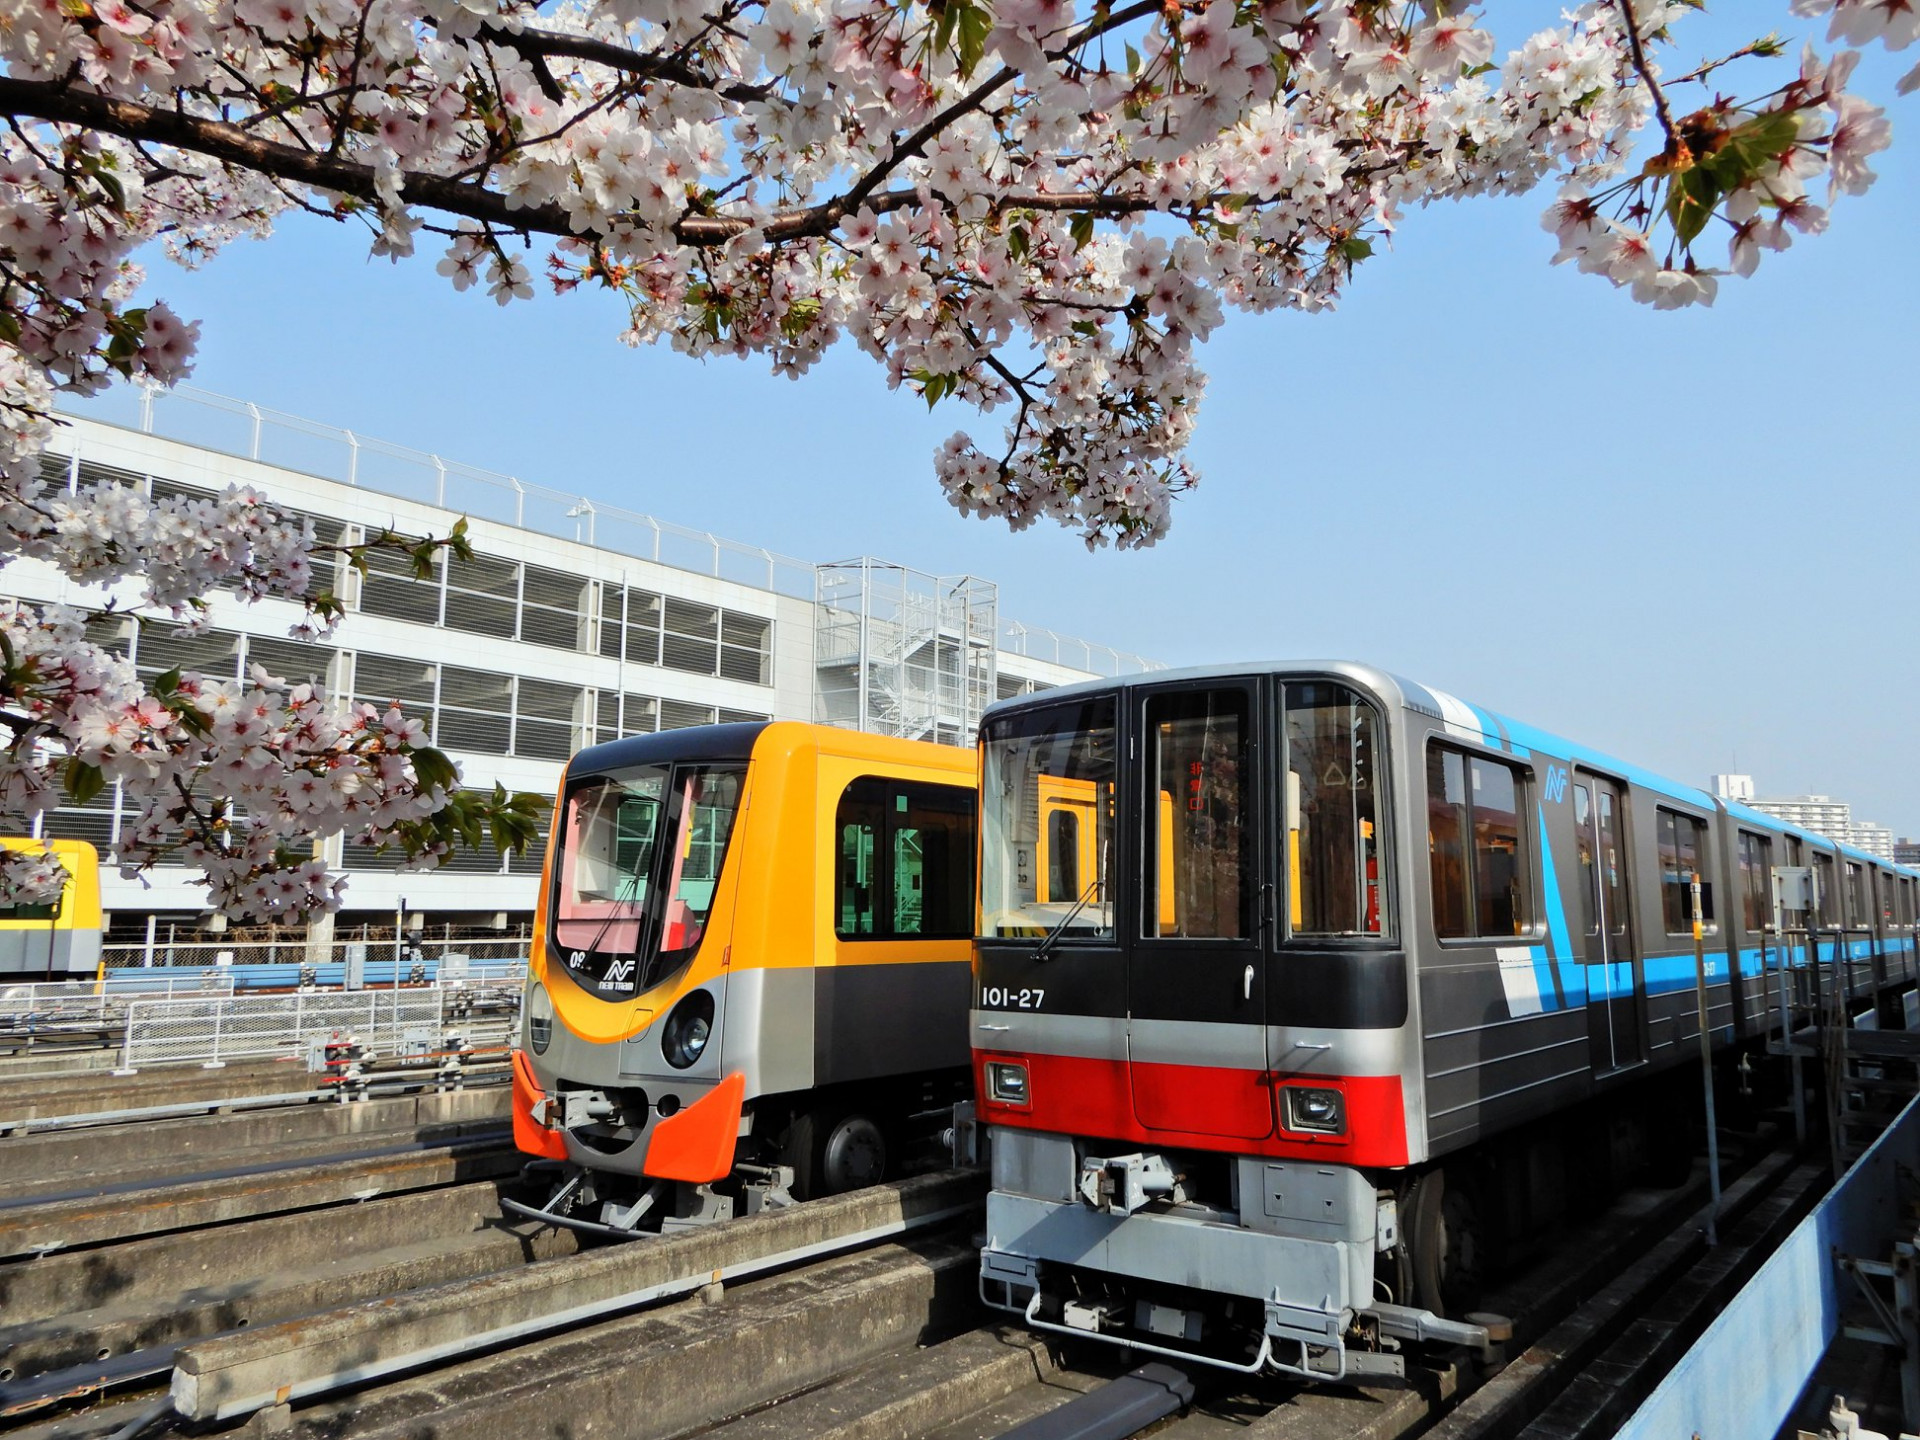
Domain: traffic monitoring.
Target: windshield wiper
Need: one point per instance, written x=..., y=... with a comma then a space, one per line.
x=1043, y=952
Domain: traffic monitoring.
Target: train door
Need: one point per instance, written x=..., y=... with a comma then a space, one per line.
x=1196, y=1035
x=1616, y=1029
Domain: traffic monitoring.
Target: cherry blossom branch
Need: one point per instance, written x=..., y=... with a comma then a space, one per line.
x=1645, y=71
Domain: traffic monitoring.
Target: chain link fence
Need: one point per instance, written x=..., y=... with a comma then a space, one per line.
x=420, y=1024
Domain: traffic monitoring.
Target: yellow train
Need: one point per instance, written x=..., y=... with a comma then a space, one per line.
x=751, y=966
x=60, y=941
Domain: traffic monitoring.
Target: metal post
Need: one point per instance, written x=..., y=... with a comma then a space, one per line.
x=153, y=923
x=399, y=930
x=219, y=1012
x=1706, y=1063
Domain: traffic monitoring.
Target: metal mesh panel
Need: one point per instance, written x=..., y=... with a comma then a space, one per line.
x=391, y=1024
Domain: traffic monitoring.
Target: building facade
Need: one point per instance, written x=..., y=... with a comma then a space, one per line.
x=572, y=623
x=1821, y=814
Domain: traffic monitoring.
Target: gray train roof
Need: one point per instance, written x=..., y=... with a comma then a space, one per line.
x=1461, y=718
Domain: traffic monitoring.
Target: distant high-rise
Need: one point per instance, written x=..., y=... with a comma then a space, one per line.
x=1733, y=787
x=1823, y=815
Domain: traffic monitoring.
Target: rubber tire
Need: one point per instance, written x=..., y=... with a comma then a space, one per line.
x=833, y=1151
x=1446, y=1244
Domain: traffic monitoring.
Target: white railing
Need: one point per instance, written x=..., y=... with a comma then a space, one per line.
x=235, y=427
x=71, y=1001
x=502, y=956
x=406, y=1023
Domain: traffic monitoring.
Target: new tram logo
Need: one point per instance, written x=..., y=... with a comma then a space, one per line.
x=620, y=972
x=1556, y=783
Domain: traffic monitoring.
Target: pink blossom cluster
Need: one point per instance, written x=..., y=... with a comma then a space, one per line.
x=30, y=877
x=1040, y=208
x=962, y=188
x=235, y=779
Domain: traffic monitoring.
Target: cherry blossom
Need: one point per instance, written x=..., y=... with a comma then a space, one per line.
x=1036, y=209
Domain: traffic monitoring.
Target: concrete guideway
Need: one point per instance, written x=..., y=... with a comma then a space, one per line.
x=237, y=1374
x=675, y=1369
x=27, y=1098
x=43, y=1166
x=912, y=1394
x=39, y=1228
x=136, y=1303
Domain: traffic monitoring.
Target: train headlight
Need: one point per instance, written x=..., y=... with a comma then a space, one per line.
x=1007, y=1083
x=1324, y=1111
x=687, y=1030
x=539, y=1018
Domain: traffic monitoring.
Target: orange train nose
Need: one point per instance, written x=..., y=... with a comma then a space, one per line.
x=529, y=1135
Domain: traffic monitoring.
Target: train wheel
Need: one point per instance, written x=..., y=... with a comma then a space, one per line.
x=833, y=1151
x=1447, y=1247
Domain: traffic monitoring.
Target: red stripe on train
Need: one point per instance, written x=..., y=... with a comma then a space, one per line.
x=1095, y=1099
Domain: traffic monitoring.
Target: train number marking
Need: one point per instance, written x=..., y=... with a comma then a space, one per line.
x=1556, y=783
x=1001, y=997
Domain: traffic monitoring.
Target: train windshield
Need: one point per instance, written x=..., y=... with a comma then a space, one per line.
x=641, y=852
x=1047, y=823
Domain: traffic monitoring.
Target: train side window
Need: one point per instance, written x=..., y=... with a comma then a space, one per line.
x=1756, y=881
x=904, y=868
x=1683, y=854
x=1063, y=853
x=931, y=829
x=1479, y=860
x=1199, y=841
x=1859, y=906
x=860, y=822
x=1826, y=899
x=1885, y=883
x=1447, y=840
x=1335, y=846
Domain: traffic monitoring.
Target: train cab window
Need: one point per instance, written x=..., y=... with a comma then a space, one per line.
x=639, y=865
x=1478, y=857
x=1334, y=843
x=704, y=804
x=607, y=863
x=1199, y=841
x=905, y=864
x=1047, y=810
x=1756, y=882
x=1683, y=854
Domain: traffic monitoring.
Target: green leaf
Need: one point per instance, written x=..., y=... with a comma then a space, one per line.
x=433, y=768
x=1081, y=228
x=975, y=25
x=1133, y=61
x=167, y=683
x=1356, y=248
x=1017, y=241
x=457, y=540
x=82, y=781
x=1691, y=196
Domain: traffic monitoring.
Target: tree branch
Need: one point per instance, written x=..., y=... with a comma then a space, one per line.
x=536, y=44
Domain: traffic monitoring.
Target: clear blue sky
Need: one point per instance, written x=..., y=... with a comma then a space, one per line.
x=1684, y=538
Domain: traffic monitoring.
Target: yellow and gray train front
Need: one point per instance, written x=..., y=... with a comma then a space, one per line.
x=1191, y=1024
x=619, y=1086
